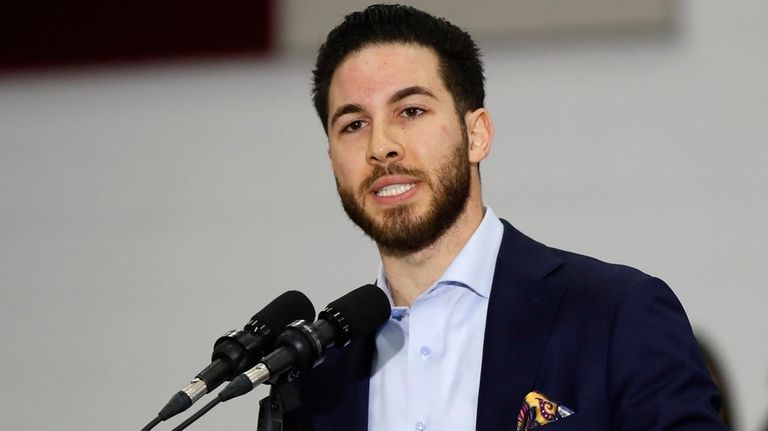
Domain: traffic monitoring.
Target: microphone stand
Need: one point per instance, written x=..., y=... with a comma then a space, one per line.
x=283, y=397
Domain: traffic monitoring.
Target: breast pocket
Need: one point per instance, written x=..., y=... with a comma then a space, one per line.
x=574, y=422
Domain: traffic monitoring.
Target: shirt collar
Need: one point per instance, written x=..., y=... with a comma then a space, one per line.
x=474, y=266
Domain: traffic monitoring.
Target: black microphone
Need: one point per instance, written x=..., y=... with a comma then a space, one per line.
x=238, y=350
x=302, y=346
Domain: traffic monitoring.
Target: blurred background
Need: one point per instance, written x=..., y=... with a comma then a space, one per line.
x=163, y=176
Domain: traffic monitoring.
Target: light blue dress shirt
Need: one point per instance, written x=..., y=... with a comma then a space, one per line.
x=426, y=372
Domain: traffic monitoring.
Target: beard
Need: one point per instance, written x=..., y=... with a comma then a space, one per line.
x=401, y=232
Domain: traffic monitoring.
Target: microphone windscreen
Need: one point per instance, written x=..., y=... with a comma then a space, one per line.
x=364, y=309
x=283, y=310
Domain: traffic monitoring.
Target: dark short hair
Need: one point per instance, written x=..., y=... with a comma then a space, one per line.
x=460, y=65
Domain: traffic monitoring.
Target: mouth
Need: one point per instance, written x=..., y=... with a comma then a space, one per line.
x=394, y=190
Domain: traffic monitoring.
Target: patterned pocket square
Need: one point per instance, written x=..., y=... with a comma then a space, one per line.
x=538, y=410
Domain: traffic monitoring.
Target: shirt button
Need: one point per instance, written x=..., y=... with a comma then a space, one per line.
x=421, y=425
x=425, y=351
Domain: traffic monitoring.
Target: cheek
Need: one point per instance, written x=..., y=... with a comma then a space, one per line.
x=439, y=144
x=344, y=168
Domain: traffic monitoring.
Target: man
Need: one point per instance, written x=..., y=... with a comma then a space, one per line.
x=490, y=330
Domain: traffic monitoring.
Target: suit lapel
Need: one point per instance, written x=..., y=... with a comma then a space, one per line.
x=521, y=308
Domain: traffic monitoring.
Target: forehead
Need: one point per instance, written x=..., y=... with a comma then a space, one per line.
x=382, y=69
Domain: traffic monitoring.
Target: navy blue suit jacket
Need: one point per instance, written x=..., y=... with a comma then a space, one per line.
x=608, y=341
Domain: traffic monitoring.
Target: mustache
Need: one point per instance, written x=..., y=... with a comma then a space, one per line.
x=392, y=169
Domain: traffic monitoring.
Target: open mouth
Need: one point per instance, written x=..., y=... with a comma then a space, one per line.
x=394, y=190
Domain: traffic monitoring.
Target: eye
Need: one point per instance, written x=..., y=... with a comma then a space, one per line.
x=412, y=112
x=353, y=126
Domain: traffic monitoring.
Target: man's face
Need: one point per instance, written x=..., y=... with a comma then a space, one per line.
x=397, y=146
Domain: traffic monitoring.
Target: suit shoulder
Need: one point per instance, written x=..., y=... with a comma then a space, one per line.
x=594, y=269
x=535, y=259
x=561, y=269
x=597, y=281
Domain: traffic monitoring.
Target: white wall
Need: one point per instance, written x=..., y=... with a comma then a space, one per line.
x=147, y=210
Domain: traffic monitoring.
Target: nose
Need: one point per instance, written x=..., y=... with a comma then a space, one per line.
x=384, y=147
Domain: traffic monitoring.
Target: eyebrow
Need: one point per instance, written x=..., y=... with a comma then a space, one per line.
x=410, y=91
x=352, y=108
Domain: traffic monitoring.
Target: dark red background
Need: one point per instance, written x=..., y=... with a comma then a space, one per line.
x=43, y=34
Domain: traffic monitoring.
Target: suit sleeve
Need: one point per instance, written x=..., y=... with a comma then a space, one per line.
x=657, y=379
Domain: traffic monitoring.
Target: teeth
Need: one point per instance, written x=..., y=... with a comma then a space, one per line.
x=394, y=189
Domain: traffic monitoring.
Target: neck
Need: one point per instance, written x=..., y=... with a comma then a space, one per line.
x=411, y=275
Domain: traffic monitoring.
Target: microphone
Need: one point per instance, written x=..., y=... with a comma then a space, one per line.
x=238, y=350
x=302, y=346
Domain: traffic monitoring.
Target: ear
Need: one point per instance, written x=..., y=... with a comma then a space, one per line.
x=479, y=133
